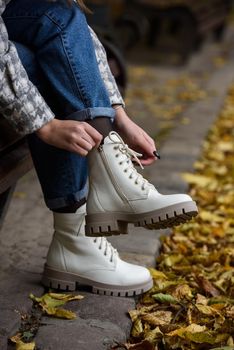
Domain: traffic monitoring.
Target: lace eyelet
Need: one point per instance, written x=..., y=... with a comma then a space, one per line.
x=120, y=163
x=125, y=170
x=136, y=183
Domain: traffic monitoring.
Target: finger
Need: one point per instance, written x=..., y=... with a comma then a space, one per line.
x=93, y=133
x=150, y=141
x=79, y=150
x=82, y=143
x=148, y=161
x=74, y=148
x=88, y=139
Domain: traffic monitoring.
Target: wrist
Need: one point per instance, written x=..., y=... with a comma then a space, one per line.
x=45, y=130
x=121, y=117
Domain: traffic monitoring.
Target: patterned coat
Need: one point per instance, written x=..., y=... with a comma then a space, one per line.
x=20, y=101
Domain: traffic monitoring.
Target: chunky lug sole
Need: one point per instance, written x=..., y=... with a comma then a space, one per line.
x=108, y=224
x=67, y=281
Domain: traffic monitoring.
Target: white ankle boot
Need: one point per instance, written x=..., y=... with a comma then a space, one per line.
x=119, y=195
x=74, y=259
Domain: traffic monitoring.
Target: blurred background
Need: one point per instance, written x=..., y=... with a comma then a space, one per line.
x=162, y=53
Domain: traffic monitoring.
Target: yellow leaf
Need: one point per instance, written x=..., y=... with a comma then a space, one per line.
x=60, y=313
x=182, y=291
x=157, y=274
x=134, y=314
x=50, y=302
x=55, y=299
x=210, y=217
x=225, y=146
x=192, y=328
x=157, y=318
x=66, y=297
x=172, y=260
x=201, y=299
x=137, y=328
x=153, y=335
x=200, y=180
x=206, y=310
x=20, y=345
x=25, y=346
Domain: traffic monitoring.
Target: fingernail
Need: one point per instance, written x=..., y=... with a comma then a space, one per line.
x=157, y=155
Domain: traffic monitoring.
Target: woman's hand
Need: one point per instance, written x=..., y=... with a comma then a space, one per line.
x=73, y=136
x=135, y=137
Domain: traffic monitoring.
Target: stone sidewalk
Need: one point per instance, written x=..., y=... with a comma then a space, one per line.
x=26, y=234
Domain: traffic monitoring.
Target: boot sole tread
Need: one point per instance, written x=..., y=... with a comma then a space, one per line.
x=70, y=282
x=115, y=224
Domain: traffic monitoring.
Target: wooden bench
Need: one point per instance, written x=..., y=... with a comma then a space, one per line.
x=180, y=25
x=15, y=161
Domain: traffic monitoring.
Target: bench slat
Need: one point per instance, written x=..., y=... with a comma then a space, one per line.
x=14, y=165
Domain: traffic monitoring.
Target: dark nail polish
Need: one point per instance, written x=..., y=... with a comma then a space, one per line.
x=157, y=155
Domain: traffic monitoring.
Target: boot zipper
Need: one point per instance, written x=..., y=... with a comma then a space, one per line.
x=102, y=154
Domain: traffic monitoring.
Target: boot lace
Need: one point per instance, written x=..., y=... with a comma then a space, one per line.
x=106, y=247
x=130, y=154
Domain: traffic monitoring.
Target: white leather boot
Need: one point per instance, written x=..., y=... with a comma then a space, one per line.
x=119, y=195
x=75, y=259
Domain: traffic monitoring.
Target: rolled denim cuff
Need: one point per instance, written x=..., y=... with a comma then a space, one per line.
x=67, y=200
x=91, y=113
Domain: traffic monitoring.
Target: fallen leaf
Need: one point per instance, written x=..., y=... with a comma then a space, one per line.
x=153, y=335
x=60, y=313
x=50, y=303
x=207, y=286
x=157, y=318
x=182, y=291
x=224, y=348
x=200, y=180
x=157, y=274
x=137, y=328
x=143, y=345
x=165, y=298
x=192, y=328
x=20, y=345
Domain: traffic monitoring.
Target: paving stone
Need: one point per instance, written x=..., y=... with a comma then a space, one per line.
x=79, y=334
x=14, y=301
x=139, y=240
x=96, y=325
x=139, y=259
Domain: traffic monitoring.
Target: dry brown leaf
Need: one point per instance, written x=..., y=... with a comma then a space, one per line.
x=157, y=318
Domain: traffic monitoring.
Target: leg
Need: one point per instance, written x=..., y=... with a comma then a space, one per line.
x=60, y=38
x=63, y=175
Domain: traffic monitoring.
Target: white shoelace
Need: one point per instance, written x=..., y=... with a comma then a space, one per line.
x=106, y=247
x=130, y=154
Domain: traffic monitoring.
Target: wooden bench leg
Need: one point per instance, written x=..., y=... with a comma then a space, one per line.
x=5, y=199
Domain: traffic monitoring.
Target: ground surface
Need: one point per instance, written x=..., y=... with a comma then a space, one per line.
x=177, y=105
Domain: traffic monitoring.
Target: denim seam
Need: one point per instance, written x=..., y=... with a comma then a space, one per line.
x=53, y=20
x=66, y=52
x=69, y=58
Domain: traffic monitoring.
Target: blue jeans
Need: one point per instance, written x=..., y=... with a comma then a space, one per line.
x=56, y=49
